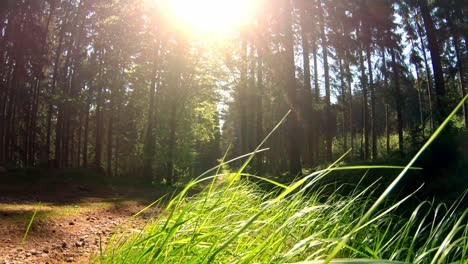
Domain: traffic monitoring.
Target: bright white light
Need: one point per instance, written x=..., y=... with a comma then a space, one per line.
x=210, y=16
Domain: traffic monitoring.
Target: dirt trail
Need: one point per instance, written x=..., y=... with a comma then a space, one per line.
x=71, y=232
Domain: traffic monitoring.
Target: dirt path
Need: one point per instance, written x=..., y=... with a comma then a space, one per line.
x=72, y=232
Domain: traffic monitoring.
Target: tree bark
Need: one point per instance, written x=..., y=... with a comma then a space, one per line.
x=307, y=103
x=150, y=140
x=329, y=136
x=436, y=60
x=295, y=167
x=396, y=79
x=372, y=95
x=365, y=109
x=428, y=75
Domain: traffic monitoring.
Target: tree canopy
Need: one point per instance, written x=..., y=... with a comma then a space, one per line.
x=160, y=89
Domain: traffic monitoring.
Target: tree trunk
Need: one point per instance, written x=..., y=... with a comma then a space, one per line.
x=461, y=80
x=259, y=106
x=307, y=103
x=99, y=118
x=372, y=94
x=436, y=60
x=171, y=144
x=329, y=136
x=86, y=125
x=365, y=110
x=243, y=98
x=396, y=77
x=420, y=99
x=110, y=131
x=349, y=78
x=291, y=90
x=50, y=110
x=315, y=99
x=428, y=75
x=150, y=140
x=343, y=101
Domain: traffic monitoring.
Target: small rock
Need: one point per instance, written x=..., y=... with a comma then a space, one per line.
x=79, y=244
x=70, y=259
x=28, y=254
x=45, y=250
x=34, y=253
x=71, y=223
x=64, y=245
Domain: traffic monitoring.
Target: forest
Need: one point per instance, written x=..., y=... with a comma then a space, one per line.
x=160, y=91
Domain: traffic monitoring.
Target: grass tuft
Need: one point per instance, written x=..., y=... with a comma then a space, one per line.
x=238, y=222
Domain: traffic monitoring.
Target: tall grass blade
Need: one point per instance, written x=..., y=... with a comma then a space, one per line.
x=397, y=179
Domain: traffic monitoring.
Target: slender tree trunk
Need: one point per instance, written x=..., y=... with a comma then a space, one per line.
x=329, y=136
x=428, y=75
x=396, y=77
x=387, y=106
x=365, y=110
x=291, y=90
x=259, y=106
x=77, y=160
x=387, y=127
x=315, y=99
x=150, y=140
x=33, y=126
x=461, y=79
x=349, y=77
x=251, y=100
x=86, y=125
x=171, y=144
x=99, y=118
x=436, y=60
x=372, y=94
x=110, y=134
x=420, y=99
x=243, y=98
x=343, y=101
x=307, y=103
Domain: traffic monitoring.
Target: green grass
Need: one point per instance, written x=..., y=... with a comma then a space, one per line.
x=241, y=223
x=238, y=222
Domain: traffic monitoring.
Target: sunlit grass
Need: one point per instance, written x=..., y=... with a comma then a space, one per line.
x=238, y=222
x=243, y=224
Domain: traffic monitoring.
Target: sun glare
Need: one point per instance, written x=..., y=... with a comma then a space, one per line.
x=210, y=16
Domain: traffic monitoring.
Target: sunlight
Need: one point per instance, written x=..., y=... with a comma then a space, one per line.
x=208, y=17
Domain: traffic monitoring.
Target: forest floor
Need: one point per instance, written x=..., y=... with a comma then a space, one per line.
x=72, y=221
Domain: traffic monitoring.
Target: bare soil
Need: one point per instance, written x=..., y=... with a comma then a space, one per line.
x=72, y=225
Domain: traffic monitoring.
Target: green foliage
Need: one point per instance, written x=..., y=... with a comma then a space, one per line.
x=241, y=223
